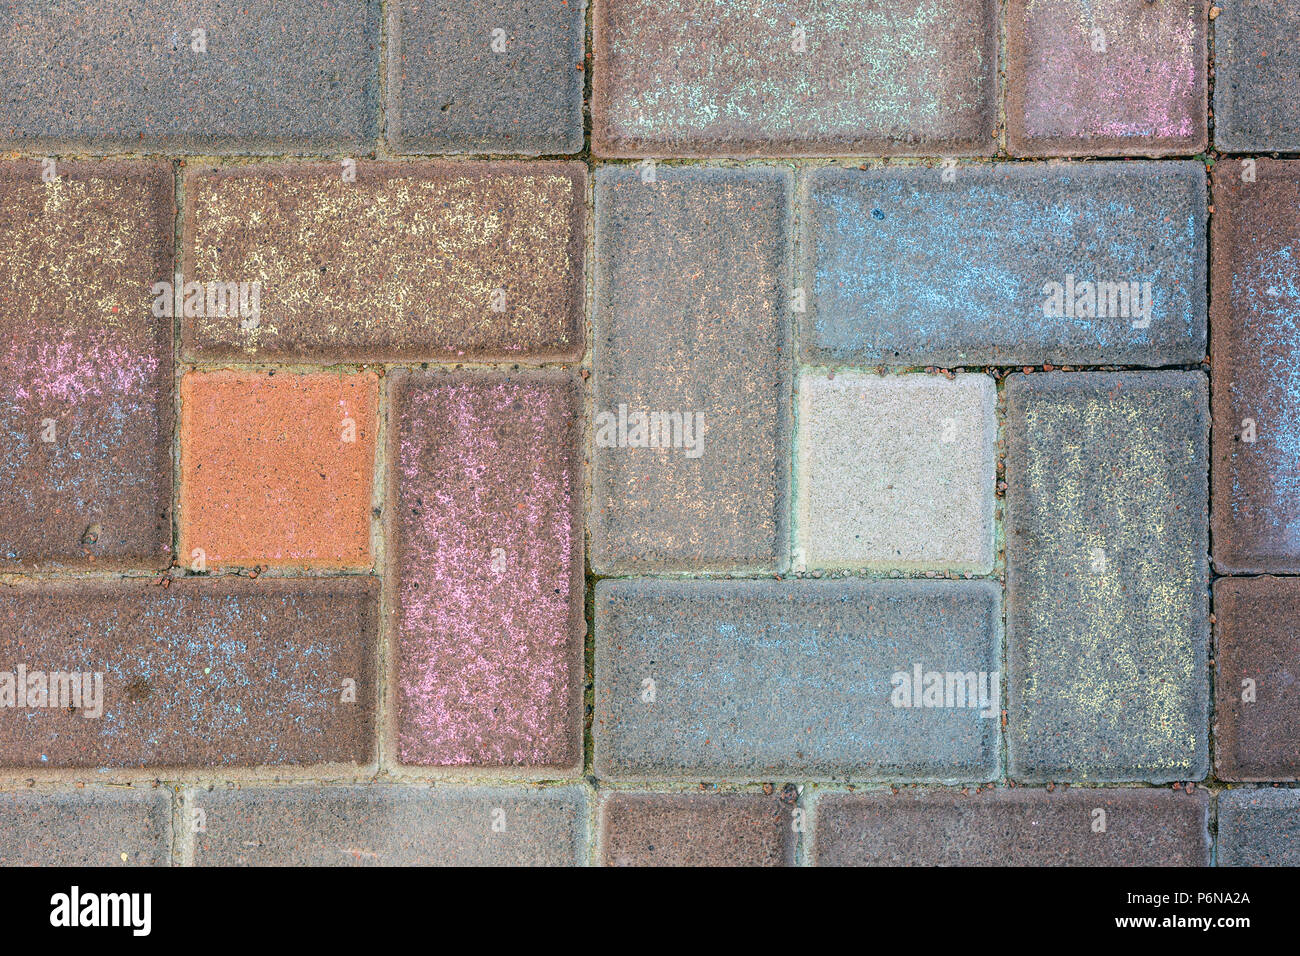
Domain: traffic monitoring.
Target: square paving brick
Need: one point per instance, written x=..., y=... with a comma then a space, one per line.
x=1257, y=678
x=277, y=469
x=385, y=825
x=1256, y=75
x=1259, y=828
x=682, y=829
x=263, y=76
x=85, y=367
x=906, y=269
x=438, y=261
x=690, y=467
x=1107, y=576
x=803, y=77
x=486, y=549
x=85, y=828
x=1255, y=316
x=747, y=680
x=1077, y=827
x=1126, y=77
x=217, y=673
x=896, y=472
x=457, y=85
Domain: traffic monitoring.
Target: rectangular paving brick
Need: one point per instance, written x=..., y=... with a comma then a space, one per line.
x=1021, y=827
x=1255, y=316
x=690, y=466
x=1257, y=701
x=277, y=470
x=805, y=77
x=486, y=76
x=896, y=473
x=205, y=76
x=1259, y=828
x=205, y=673
x=1107, y=576
x=750, y=680
x=1256, y=75
x=385, y=825
x=86, y=828
x=683, y=829
x=1120, y=78
x=486, y=552
x=85, y=366
x=1005, y=265
x=438, y=261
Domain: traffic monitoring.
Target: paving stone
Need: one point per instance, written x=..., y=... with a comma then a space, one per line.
x=896, y=472
x=265, y=76
x=1255, y=315
x=438, y=261
x=1256, y=74
x=692, y=329
x=205, y=673
x=85, y=828
x=1259, y=828
x=1107, y=576
x=1143, y=827
x=1122, y=78
x=486, y=549
x=456, y=85
x=755, y=679
x=384, y=825
x=803, y=77
x=1257, y=723
x=682, y=829
x=907, y=270
x=277, y=469
x=85, y=367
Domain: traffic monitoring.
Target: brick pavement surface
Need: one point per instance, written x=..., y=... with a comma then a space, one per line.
x=1257, y=70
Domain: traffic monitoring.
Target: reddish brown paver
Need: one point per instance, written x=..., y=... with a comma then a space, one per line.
x=439, y=261
x=85, y=365
x=86, y=828
x=485, y=545
x=204, y=673
x=680, y=829
x=277, y=469
x=1255, y=330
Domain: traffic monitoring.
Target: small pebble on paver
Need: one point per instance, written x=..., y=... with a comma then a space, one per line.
x=1256, y=76
x=86, y=828
x=1259, y=828
x=683, y=829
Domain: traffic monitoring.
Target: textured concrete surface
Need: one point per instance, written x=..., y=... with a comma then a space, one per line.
x=1255, y=314
x=802, y=77
x=906, y=269
x=1256, y=75
x=85, y=367
x=277, y=469
x=486, y=549
x=691, y=318
x=1256, y=672
x=1119, y=78
x=1259, y=828
x=681, y=829
x=217, y=673
x=455, y=85
x=1077, y=827
x=897, y=472
x=85, y=828
x=381, y=825
x=111, y=75
x=1107, y=572
x=754, y=679
x=446, y=261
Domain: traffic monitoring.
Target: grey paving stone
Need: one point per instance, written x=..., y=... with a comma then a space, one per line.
x=1256, y=76
x=692, y=321
x=85, y=828
x=1259, y=828
x=457, y=85
x=685, y=829
x=751, y=680
x=905, y=269
x=1107, y=576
